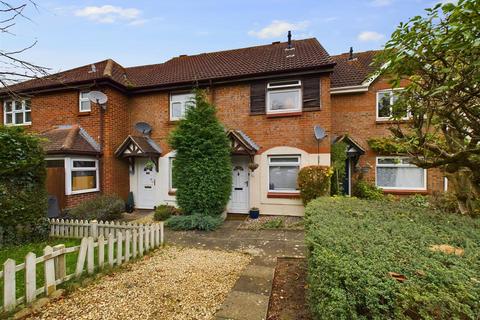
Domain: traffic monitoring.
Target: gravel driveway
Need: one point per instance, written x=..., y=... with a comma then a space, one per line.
x=171, y=283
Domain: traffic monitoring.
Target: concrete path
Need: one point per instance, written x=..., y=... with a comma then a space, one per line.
x=249, y=298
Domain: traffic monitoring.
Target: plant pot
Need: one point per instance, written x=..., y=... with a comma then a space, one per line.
x=254, y=213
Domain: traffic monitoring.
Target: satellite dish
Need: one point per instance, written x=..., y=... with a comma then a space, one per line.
x=97, y=97
x=143, y=128
x=319, y=132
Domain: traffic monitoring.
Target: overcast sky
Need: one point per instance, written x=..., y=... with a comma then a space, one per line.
x=75, y=33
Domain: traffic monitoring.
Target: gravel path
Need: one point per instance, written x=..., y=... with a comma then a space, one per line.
x=171, y=283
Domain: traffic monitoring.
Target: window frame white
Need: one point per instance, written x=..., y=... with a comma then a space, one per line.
x=278, y=87
x=280, y=164
x=13, y=112
x=183, y=103
x=377, y=94
x=170, y=175
x=69, y=168
x=83, y=99
x=399, y=165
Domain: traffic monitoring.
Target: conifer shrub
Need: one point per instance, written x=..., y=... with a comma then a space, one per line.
x=202, y=166
x=23, y=196
x=314, y=182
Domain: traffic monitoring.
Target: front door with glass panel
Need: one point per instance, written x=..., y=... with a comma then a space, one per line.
x=146, y=183
x=239, y=198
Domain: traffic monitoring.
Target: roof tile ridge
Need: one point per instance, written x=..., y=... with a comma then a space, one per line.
x=69, y=140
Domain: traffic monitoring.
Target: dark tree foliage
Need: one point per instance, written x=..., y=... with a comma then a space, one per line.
x=202, y=168
x=23, y=197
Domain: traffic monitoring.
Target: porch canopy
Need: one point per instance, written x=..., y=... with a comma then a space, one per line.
x=241, y=143
x=135, y=146
x=354, y=150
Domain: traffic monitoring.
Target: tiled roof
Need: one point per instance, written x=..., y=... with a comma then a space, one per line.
x=308, y=54
x=69, y=140
x=265, y=59
x=352, y=72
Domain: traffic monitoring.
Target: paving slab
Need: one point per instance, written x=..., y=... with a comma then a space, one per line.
x=255, y=285
x=244, y=306
x=259, y=271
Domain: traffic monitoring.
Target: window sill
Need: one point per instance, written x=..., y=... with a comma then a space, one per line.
x=84, y=113
x=83, y=192
x=404, y=192
x=284, y=114
x=18, y=125
x=173, y=121
x=284, y=195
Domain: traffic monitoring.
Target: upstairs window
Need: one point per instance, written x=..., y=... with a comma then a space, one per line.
x=17, y=112
x=398, y=173
x=385, y=101
x=179, y=103
x=284, y=96
x=282, y=173
x=84, y=102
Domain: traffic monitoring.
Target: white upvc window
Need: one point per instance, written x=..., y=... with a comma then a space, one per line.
x=179, y=103
x=283, y=173
x=385, y=101
x=171, y=182
x=284, y=96
x=84, y=103
x=398, y=173
x=17, y=112
x=82, y=175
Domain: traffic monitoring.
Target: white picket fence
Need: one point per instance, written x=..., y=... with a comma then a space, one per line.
x=61, y=228
x=127, y=244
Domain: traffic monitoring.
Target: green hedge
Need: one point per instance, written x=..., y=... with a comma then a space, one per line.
x=354, y=244
x=102, y=207
x=23, y=198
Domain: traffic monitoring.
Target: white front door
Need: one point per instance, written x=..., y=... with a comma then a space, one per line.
x=146, y=184
x=239, y=199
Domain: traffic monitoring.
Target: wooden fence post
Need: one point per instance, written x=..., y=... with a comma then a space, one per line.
x=101, y=251
x=94, y=229
x=147, y=238
x=161, y=232
x=9, y=297
x=60, y=263
x=81, y=257
x=134, y=243
x=90, y=255
x=110, y=249
x=119, y=247
x=30, y=277
x=127, y=245
x=49, y=269
x=152, y=236
x=140, y=241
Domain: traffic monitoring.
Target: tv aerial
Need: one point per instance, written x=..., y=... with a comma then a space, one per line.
x=143, y=127
x=99, y=98
x=320, y=134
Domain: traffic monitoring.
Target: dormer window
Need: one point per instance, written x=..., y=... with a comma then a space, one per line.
x=284, y=96
x=179, y=103
x=84, y=102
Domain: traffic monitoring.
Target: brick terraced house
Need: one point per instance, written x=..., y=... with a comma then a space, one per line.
x=269, y=98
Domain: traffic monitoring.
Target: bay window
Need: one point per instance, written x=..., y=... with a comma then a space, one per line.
x=398, y=173
x=284, y=96
x=83, y=176
x=179, y=103
x=282, y=173
x=17, y=112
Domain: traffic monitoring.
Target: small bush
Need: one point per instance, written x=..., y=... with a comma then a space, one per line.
x=314, y=182
x=102, y=207
x=355, y=245
x=444, y=202
x=276, y=223
x=163, y=212
x=366, y=190
x=194, y=222
x=416, y=200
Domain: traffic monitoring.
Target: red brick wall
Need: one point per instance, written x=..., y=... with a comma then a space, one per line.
x=233, y=109
x=355, y=114
x=61, y=108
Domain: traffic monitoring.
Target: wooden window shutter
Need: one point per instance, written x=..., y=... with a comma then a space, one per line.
x=257, y=97
x=311, y=94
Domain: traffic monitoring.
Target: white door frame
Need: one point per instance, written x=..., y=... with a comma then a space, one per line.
x=241, y=161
